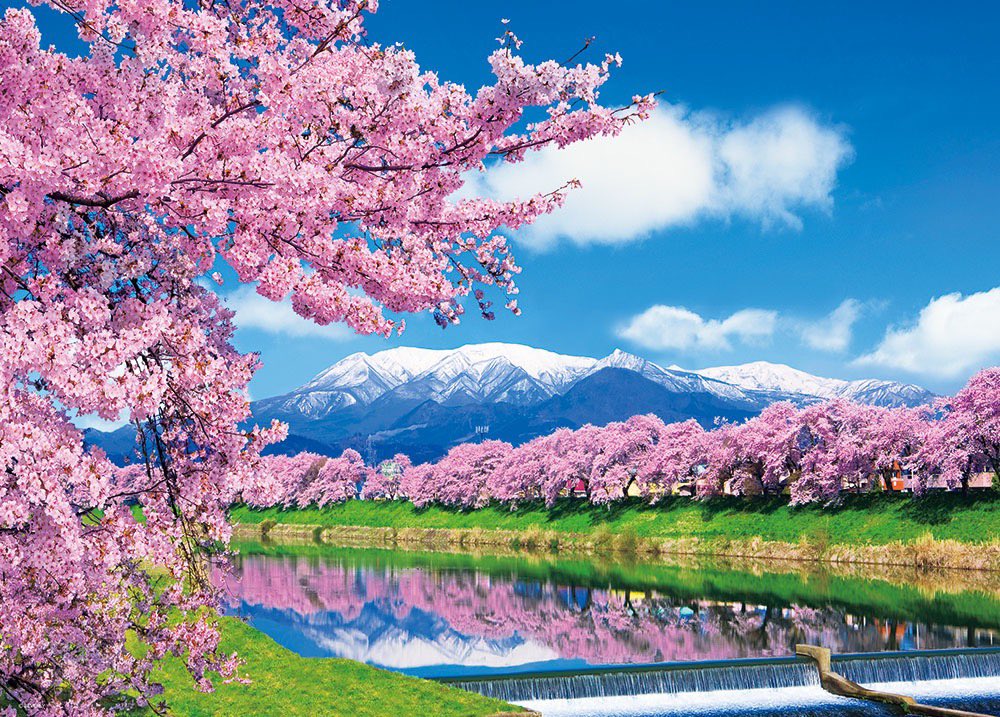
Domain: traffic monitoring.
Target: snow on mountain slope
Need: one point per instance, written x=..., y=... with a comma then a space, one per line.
x=477, y=372
x=886, y=393
x=673, y=379
x=513, y=374
x=393, y=366
x=496, y=372
x=355, y=379
x=546, y=366
x=778, y=378
x=764, y=376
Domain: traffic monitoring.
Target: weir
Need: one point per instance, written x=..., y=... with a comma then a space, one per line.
x=900, y=667
x=734, y=675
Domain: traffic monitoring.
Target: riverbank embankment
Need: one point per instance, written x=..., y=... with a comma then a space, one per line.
x=944, y=531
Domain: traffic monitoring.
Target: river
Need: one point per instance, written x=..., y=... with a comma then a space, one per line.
x=623, y=632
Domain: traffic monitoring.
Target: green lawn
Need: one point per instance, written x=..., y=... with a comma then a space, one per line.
x=874, y=519
x=286, y=685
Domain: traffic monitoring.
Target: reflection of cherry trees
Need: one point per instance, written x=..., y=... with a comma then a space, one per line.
x=601, y=626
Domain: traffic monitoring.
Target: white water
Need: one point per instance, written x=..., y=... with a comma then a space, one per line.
x=714, y=679
x=981, y=693
x=739, y=677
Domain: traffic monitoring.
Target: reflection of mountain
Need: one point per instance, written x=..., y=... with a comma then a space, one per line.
x=378, y=637
x=424, y=620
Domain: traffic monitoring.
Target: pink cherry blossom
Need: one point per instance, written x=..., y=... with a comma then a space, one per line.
x=813, y=453
x=385, y=482
x=321, y=167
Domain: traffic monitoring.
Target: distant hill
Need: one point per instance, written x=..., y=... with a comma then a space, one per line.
x=423, y=401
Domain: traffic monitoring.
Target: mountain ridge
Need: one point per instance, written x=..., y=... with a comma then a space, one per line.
x=423, y=401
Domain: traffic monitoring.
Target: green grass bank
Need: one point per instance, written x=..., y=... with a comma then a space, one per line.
x=286, y=685
x=875, y=519
x=937, y=530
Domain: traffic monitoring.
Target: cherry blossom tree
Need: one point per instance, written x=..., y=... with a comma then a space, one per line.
x=460, y=478
x=280, y=479
x=623, y=446
x=523, y=472
x=675, y=459
x=336, y=480
x=547, y=467
x=943, y=454
x=768, y=447
x=759, y=456
x=272, y=136
x=889, y=439
x=574, y=453
x=721, y=460
x=966, y=439
x=416, y=483
x=830, y=454
x=385, y=482
x=974, y=421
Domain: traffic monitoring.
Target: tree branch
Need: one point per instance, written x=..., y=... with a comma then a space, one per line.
x=100, y=201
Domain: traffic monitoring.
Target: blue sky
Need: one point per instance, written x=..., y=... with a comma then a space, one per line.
x=808, y=157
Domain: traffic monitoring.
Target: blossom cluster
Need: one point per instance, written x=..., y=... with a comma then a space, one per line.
x=268, y=135
x=814, y=453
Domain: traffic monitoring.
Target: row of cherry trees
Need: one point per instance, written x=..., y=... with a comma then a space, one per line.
x=815, y=452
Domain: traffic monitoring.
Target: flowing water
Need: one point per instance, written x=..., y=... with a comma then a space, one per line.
x=575, y=637
x=777, y=676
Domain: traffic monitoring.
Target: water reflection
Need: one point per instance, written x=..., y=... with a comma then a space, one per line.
x=433, y=616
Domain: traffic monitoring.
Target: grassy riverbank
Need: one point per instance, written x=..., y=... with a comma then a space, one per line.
x=876, y=519
x=286, y=685
x=942, y=530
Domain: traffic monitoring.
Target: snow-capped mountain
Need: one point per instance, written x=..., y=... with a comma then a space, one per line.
x=496, y=372
x=422, y=401
x=777, y=378
x=676, y=378
x=522, y=375
x=359, y=379
x=492, y=372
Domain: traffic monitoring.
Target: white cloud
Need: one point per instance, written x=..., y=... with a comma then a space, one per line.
x=673, y=327
x=833, y=332
x=253, y=311
x=779, y=162
x=674, y=169
x=951, y=336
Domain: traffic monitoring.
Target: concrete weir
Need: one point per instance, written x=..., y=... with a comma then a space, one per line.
x=754, y=680
x=837, y=684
